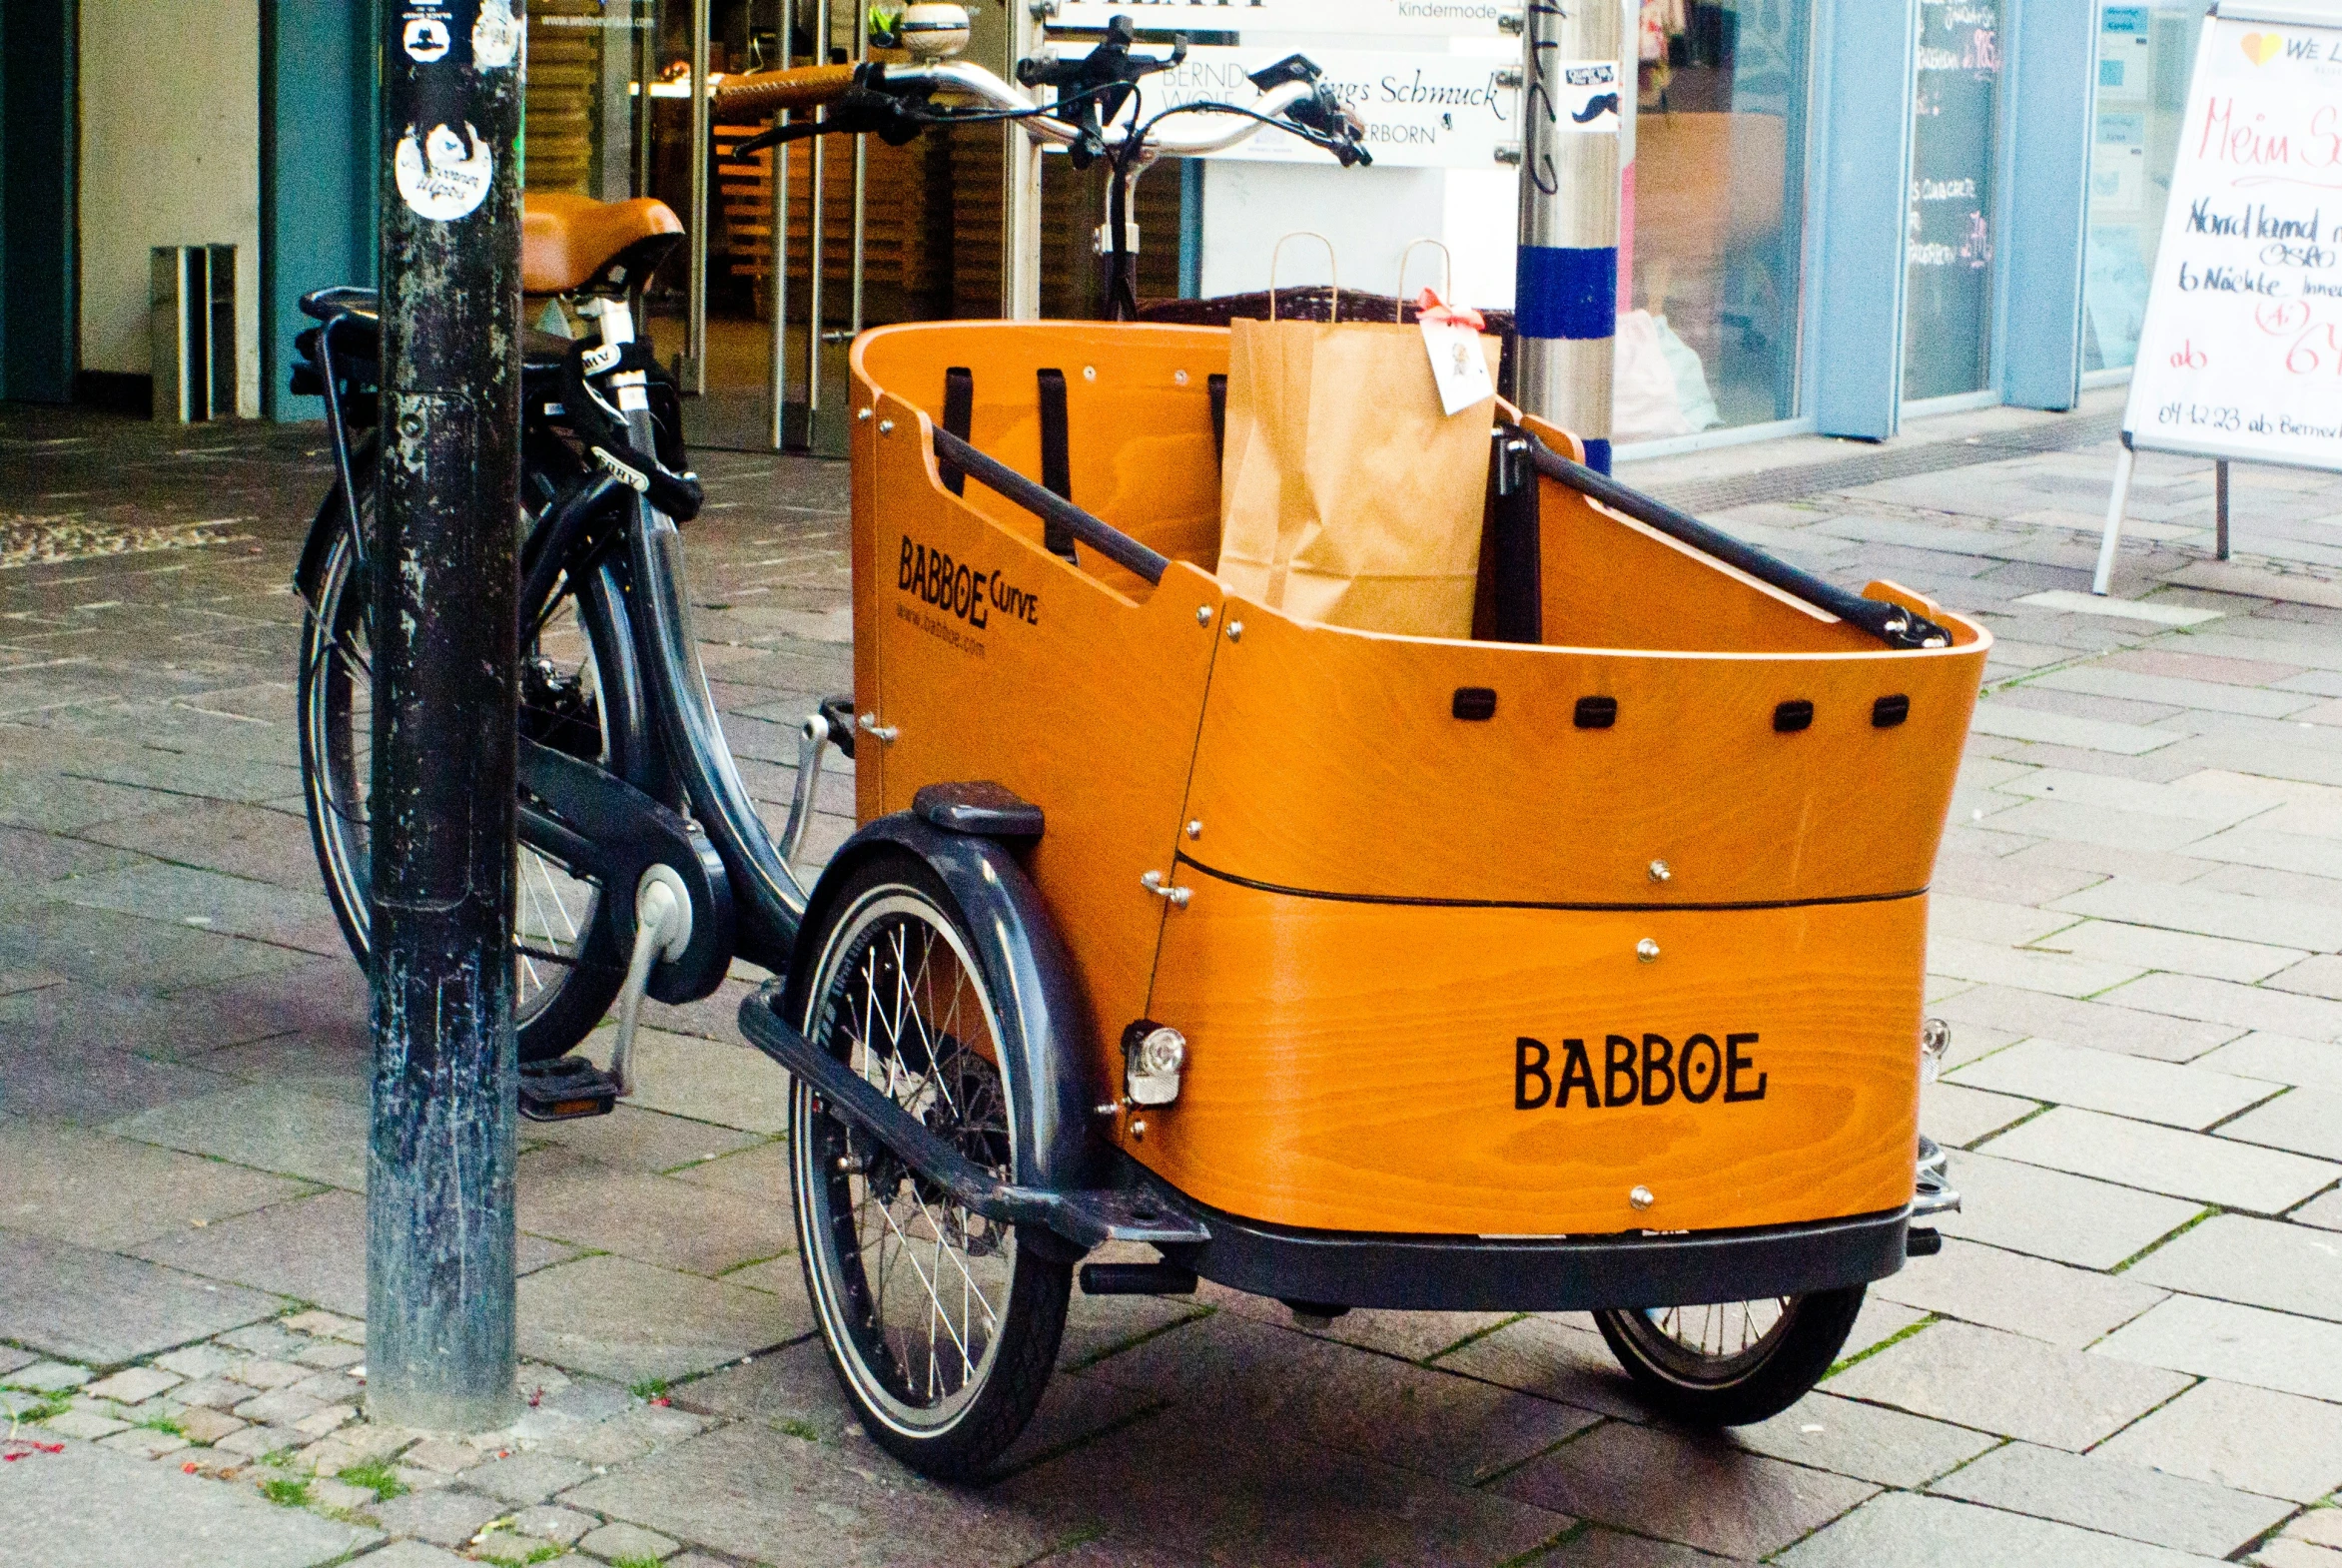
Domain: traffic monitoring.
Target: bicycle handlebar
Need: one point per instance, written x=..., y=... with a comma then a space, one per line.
x=760, y=95
x=763, y=93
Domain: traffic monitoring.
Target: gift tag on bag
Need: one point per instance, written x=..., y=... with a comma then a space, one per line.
x=1458, y=366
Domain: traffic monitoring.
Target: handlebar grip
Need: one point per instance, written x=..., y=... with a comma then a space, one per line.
x=763, y=93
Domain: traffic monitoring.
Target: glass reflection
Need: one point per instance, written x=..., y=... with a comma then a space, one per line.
x=1956, y=99
x=2146, y=55
x=1714, y=217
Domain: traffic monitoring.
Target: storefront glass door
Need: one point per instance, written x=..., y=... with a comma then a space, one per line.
x=1718, y=200
x=904, y=234
x=2146, y=54
x=1946, y=344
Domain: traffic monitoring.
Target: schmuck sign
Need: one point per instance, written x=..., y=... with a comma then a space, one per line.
x=2240, y=354
x=1421, y=111
x=1351, y=18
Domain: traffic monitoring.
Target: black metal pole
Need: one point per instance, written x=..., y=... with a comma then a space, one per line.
x=440, y=1170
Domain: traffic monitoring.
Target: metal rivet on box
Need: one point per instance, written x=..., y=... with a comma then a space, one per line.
x=1203, y=615
x=1660, y=871
x=1235, y=632
x=886, y=427
x=1647, y=949
x=1642, y=1197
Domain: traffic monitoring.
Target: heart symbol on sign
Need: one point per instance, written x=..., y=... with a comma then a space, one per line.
x=2260, y=48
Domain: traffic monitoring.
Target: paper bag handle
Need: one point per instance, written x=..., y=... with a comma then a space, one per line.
x=1332, y=267
x=1446, y=274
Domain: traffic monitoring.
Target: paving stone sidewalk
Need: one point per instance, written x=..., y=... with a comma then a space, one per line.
x=2129, y=1351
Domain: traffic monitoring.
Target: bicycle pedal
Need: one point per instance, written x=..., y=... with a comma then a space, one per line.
x=565, y=1090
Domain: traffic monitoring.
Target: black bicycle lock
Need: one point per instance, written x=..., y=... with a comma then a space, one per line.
x=603, y=430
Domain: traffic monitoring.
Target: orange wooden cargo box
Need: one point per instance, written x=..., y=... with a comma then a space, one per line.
x=1579, y=968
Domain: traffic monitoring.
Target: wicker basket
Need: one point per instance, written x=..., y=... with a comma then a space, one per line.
x=1314, y=302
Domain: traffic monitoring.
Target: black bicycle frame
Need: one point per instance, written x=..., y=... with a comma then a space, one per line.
x=589, y=519
x=767, y=899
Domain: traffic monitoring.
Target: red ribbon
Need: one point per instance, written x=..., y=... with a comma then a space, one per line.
x=1430, y=308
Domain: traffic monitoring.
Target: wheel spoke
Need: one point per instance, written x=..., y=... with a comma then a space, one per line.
x=904, y=1008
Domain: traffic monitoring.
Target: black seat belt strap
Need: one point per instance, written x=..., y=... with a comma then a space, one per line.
x=1056, y=462
x=1517, y=571
x=959, y=416
x=1218, y=387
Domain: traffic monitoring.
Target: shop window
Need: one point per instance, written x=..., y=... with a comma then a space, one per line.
x=1709, y=334
x=1955, y=100
x=2146, y=54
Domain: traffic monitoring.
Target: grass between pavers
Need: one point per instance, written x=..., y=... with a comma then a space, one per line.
x=287, y=1492
x=1560, y=1540
x=1135, y=1340
x=1097, y=1434
x=2210, y=1211
x=1888, y=1343
x=648, y=1388
x=542, y=1552
x=376, y=1476
x=1473, y=1338
x=1083, y=1536
x=1490, y=1477
x=48, y=1406
x=1983, y=1145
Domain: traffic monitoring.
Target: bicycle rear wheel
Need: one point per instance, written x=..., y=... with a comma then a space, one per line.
x=576, y=695
x=1732, y=1363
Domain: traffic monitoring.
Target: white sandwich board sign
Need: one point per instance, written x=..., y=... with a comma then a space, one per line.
x=2240, y=354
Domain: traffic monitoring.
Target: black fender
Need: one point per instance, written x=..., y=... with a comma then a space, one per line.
x=333, y=519
x=1045, y=1020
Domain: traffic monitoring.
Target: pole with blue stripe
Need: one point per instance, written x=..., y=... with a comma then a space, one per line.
x=1566, y=300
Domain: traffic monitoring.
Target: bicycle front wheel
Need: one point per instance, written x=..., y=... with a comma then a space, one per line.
x=940, y=1325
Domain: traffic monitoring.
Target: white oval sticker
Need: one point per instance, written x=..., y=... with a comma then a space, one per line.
x=444, y=175
x=495, y=36
x=425, y=38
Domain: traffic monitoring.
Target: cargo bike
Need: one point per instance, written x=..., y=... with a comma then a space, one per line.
x=1571, y=965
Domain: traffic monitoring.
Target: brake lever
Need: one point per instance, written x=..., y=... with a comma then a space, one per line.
x=1344, y=132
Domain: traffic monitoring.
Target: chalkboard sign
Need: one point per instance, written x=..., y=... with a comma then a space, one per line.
x=2240, y=355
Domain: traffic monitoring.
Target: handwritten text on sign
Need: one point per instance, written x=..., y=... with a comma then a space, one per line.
x=2241, y=352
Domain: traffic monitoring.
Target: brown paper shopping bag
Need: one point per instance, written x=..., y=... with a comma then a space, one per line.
x=1348, y=496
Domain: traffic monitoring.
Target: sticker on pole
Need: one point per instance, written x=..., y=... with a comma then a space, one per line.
x=444, y=174
x=495, y=36
x=1584, y=95
x=424, y=38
